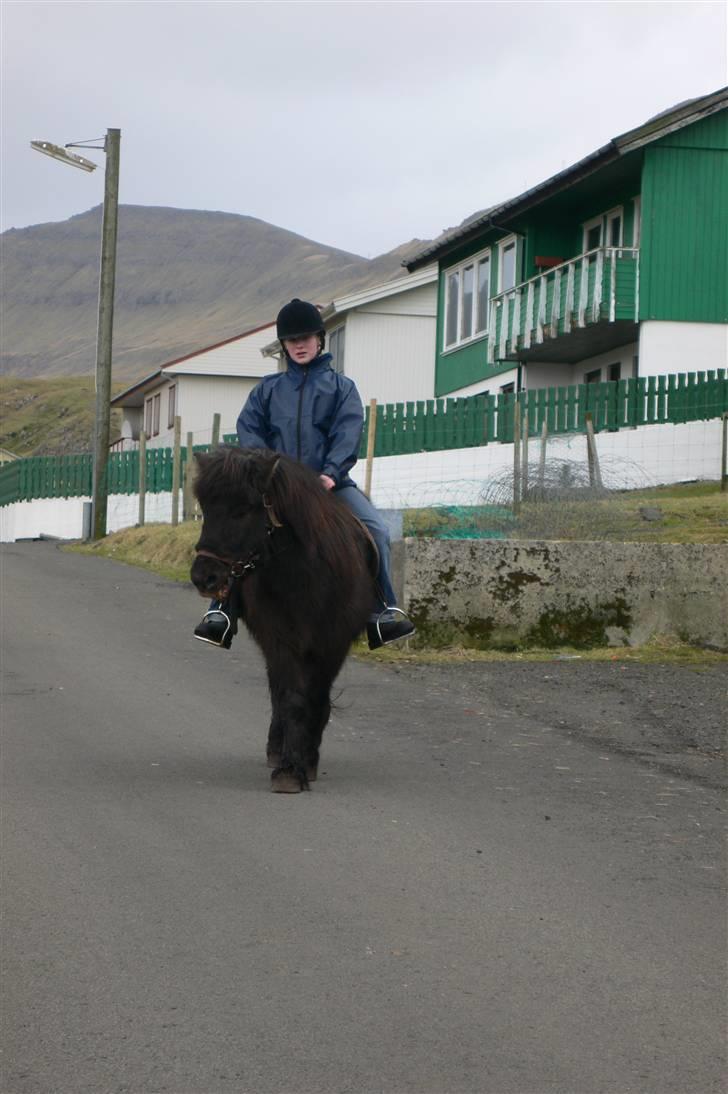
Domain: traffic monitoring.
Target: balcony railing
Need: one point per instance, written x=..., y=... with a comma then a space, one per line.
x=599, y=286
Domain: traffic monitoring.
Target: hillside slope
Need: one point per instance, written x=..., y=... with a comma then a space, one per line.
x=185, y=279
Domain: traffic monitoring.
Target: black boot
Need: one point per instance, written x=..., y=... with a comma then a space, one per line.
x=388, y=627
x=217, y=627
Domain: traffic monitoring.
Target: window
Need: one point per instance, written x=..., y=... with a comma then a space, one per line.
x=483, y=302
x=614, y=228
x=171, y=406
x=148, y=408
x=593, y=234
x=615, y=371
x=636, y=224
x=155, y=414
x=593, y=377
x=467, y=301
x=337, y=340
x=507, y=264
x=508, y=389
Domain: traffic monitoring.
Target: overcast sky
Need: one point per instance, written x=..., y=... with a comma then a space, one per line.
x=360, y=125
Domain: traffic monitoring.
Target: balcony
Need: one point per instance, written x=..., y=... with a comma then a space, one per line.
x=578, y=309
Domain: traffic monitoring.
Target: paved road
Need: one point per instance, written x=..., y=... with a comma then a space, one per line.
x=474, y=897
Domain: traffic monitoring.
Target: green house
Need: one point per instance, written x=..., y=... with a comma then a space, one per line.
x=615, y=267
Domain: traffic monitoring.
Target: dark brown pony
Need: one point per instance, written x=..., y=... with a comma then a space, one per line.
x=296, y=566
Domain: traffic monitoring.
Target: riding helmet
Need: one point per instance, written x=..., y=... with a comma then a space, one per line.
x=297, y=319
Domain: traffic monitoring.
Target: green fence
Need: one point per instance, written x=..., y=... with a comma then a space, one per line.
x=436, y=424
x=426, y=426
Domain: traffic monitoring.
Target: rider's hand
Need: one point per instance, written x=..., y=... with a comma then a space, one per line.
x=328, y=482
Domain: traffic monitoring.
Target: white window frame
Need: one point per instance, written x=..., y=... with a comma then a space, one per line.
x=595, y=222
x=637, y=220
x=339, y=364
x=458, y=270
x=609, y=216
x=503, y=244
x=171, y=405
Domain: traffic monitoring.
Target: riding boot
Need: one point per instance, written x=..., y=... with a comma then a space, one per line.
x=218, y=626
x=389, y=626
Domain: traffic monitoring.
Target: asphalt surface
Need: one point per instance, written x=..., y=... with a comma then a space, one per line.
x=493, y=888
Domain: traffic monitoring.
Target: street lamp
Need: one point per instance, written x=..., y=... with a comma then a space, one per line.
x=110, y=145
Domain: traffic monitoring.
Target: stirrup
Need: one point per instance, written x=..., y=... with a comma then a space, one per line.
x=216, y=628
x=405, y=628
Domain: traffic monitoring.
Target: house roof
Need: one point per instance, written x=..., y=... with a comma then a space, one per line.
x=134, y=396
x=667, y=121
x=411, y=281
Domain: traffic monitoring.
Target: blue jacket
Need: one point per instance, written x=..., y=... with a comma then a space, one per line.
x=309, y=412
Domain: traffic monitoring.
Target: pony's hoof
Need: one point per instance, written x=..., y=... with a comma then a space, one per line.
x=312, y=774
x=286, y=782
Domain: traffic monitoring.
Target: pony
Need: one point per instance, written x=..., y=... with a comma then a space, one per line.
x=298, y=568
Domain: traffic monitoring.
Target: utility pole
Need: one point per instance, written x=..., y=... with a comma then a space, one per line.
x=107, y=280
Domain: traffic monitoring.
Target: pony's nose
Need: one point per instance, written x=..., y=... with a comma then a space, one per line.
x=210, y=583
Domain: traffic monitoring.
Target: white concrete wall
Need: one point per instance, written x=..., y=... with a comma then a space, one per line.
x=646, y=456
x=62, y=518
x=668, y=347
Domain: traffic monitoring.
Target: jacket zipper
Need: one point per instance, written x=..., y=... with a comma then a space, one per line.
x=300, y=408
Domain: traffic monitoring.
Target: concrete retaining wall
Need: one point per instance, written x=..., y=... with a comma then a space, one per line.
x=506, y=593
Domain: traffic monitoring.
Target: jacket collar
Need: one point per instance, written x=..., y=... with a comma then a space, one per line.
x=318, y=364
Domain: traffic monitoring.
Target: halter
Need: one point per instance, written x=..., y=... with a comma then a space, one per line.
x=240, y=568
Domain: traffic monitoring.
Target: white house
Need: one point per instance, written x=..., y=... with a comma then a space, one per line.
x=214, y=380
x=383, y=338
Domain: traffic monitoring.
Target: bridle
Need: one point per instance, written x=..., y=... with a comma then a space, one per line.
x=240, y=568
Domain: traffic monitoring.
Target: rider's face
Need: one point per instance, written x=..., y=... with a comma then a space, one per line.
x=302, y=350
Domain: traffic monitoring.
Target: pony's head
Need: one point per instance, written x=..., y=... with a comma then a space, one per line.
x=237, y=517
x=246, y=495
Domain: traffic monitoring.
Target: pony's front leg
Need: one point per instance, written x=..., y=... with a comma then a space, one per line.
x=297, y=761
x=274, y=746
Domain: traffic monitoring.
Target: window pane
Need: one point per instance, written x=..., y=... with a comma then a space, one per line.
x=451, y=325
x=615, y=231
x=508, y=267
x=483, y=295
x=466, y=323
x=171, y=410
x=336, y=349
x=594, y=237
x=157, y=405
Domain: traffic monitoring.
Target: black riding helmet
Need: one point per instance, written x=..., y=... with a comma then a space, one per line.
x=298, y=319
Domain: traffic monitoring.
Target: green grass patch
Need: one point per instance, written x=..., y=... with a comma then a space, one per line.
x=49, y=416
x=688, y=513
x=161, y=548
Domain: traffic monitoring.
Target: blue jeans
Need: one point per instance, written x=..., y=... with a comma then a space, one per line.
x=362, y=508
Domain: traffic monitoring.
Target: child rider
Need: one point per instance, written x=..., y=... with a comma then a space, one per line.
x=314, y=414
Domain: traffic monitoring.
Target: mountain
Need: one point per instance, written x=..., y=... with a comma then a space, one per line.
x=185, y=279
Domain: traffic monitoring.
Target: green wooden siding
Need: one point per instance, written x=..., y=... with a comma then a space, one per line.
x=684, y=269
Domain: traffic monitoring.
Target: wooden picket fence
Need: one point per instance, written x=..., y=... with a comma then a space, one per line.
x=427, y=426
x=437, y=424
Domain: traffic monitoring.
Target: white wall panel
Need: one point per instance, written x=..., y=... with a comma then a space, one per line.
x=390, y=358
x=241, y=357
x=667, y=347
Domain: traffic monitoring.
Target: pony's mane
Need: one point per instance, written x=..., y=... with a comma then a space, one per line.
x=323, y=525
